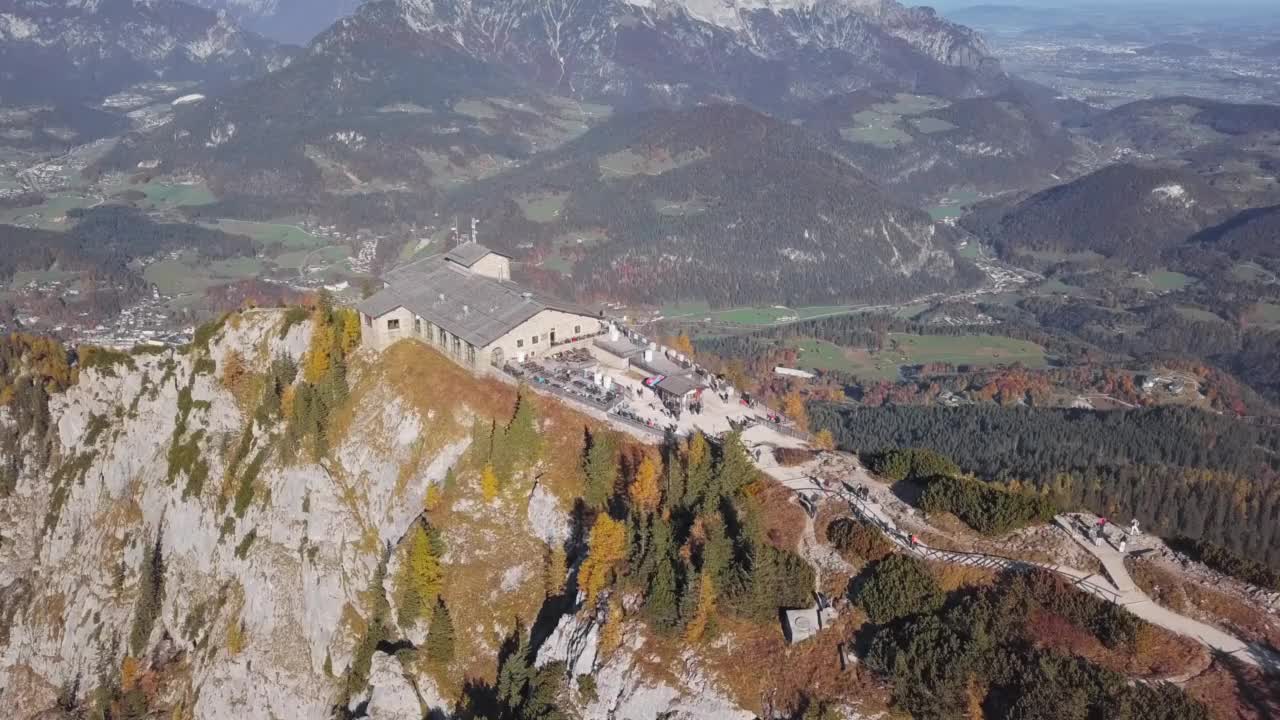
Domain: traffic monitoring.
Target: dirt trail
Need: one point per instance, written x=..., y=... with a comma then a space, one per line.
x=1116, y=587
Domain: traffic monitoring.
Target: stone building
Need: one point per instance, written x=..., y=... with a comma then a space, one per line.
x=464, y=303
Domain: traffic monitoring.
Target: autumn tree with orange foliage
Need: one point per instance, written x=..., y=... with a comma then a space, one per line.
x=794, y=408
x=645, y=491
x=606, y=547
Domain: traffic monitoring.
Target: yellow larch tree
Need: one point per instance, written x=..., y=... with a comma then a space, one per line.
x=824, y=440
x=318, y=362
x=697, y=626
x=350, y=329
x=606, y=547
x=644, y=491
x=488, y=483
x=793, y=407
x=611, y=633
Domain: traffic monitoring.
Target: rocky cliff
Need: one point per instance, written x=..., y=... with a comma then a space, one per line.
x=181, y=552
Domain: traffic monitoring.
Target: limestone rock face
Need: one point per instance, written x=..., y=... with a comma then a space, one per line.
x=392, y=696
x=267, y=578
x=285, y=570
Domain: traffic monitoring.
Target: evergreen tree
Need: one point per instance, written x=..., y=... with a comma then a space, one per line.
x=717, y=552
x=661, y=601
x=515, y=670
x=600, y=468
x=698, y=471
x=150, y=599
x=440, y=639
x=735, y=470
x=522, y=432
x=675, y=480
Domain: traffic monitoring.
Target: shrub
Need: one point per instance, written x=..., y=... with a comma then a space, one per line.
x=242, y=549
x=897, y=587
x=1110, y=623
x=1229, y=563
x=913, y=464
x=104, y=360
x=859, y=539
x=295, y=315
x=985, y=508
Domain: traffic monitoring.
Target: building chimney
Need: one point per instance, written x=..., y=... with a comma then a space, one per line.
x=648, y=355
x=613, y=333
x=608, y=382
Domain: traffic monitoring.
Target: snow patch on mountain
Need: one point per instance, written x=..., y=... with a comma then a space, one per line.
x=17, y=28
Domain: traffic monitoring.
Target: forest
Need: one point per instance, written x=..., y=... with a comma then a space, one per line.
x=983, y=652
x=1180, y=472
x=105, y=239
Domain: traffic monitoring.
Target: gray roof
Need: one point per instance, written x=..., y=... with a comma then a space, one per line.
x=476, y=308
x=679, y=384
x=468, y=254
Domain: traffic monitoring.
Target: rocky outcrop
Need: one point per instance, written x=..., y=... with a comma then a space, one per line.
x=147, y=557
x=284, y=572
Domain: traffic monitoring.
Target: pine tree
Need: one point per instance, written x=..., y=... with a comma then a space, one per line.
x=439, y=647
x=600, y=468
x=522, y=432
x=661, y=601
x=606, y=547
x=675, y=480
x=515, y=672
x=644, y=491
x=150, y=599
x=420, y=576
x=698, y=471
x=717, y=552
x=488, y=483
x=735, y=470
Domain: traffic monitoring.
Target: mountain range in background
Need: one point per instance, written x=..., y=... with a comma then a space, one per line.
x=78, y=50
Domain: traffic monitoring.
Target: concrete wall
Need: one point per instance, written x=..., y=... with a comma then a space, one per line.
x=493, y=265
x=378, y=335
x=520, y=340
x=375, y=333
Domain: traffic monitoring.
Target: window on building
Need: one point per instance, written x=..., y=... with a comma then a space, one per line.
x=534, y=340
x=577, y=329
x=471, y=354
x=417, y=326
x=519, y=343
x=368, y=321
x=393, y=324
